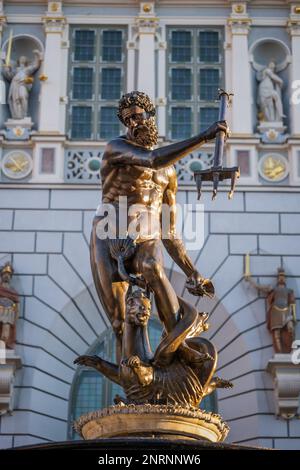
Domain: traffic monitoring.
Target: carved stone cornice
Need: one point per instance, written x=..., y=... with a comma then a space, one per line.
x=293, y=26
x=239, y=20
x=54, y=24
x=146, y=24
x=239, y=25
x=54, y=19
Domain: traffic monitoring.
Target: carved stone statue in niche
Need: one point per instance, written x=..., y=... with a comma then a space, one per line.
x=21, y=81
x=281, y=313
x=269, y=97
x=9, y=307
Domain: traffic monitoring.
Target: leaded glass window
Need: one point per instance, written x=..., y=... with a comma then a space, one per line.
x=181, y=84
x=81, y=121
x=181, y=119
x=111, y=79
x=109, y=127
x=84, y=45
x=112, y=46
x=181, y=46
x=208, y=116
x=209, y=83
x=97, y=64
x=195, y=66
x=83, y=83
x=209, y=46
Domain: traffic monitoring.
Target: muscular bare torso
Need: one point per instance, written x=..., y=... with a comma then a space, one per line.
x=144, y=189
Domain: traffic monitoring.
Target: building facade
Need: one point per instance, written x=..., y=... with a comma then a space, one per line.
x=180, y=54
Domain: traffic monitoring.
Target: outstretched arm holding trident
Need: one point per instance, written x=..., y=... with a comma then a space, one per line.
x=169, y=154
x=217, y=172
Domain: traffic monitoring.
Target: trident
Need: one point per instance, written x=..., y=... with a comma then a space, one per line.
x=217, y=173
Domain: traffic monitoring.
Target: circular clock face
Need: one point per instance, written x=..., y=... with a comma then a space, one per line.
x=273, y=167
x=16, y=164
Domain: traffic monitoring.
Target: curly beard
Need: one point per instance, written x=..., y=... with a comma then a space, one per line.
x=146, y=134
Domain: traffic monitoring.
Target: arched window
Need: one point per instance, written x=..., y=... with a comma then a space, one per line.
x=92, y=391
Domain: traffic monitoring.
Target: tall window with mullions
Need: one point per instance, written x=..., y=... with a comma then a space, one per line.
x=97, y=81
x=195, y=72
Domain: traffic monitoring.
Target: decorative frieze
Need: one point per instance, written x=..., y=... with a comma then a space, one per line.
x=83, y=165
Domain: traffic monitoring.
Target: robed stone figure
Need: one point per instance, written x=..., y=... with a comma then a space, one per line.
x=269, y=98
x=21, y=81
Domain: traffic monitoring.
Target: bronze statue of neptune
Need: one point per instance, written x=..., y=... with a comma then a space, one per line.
x=127, y=264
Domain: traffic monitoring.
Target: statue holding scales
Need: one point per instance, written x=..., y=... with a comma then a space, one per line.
x=21, y=80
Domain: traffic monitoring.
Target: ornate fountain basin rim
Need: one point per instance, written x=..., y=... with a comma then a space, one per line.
x=152, y=420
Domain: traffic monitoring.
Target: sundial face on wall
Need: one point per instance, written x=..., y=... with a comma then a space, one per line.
x=16, y=164
x=273, y=167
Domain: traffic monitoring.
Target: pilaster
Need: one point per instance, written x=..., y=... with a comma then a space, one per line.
x=146, y=24
x=293, y=26
x=54, y=23
x=239, y=25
